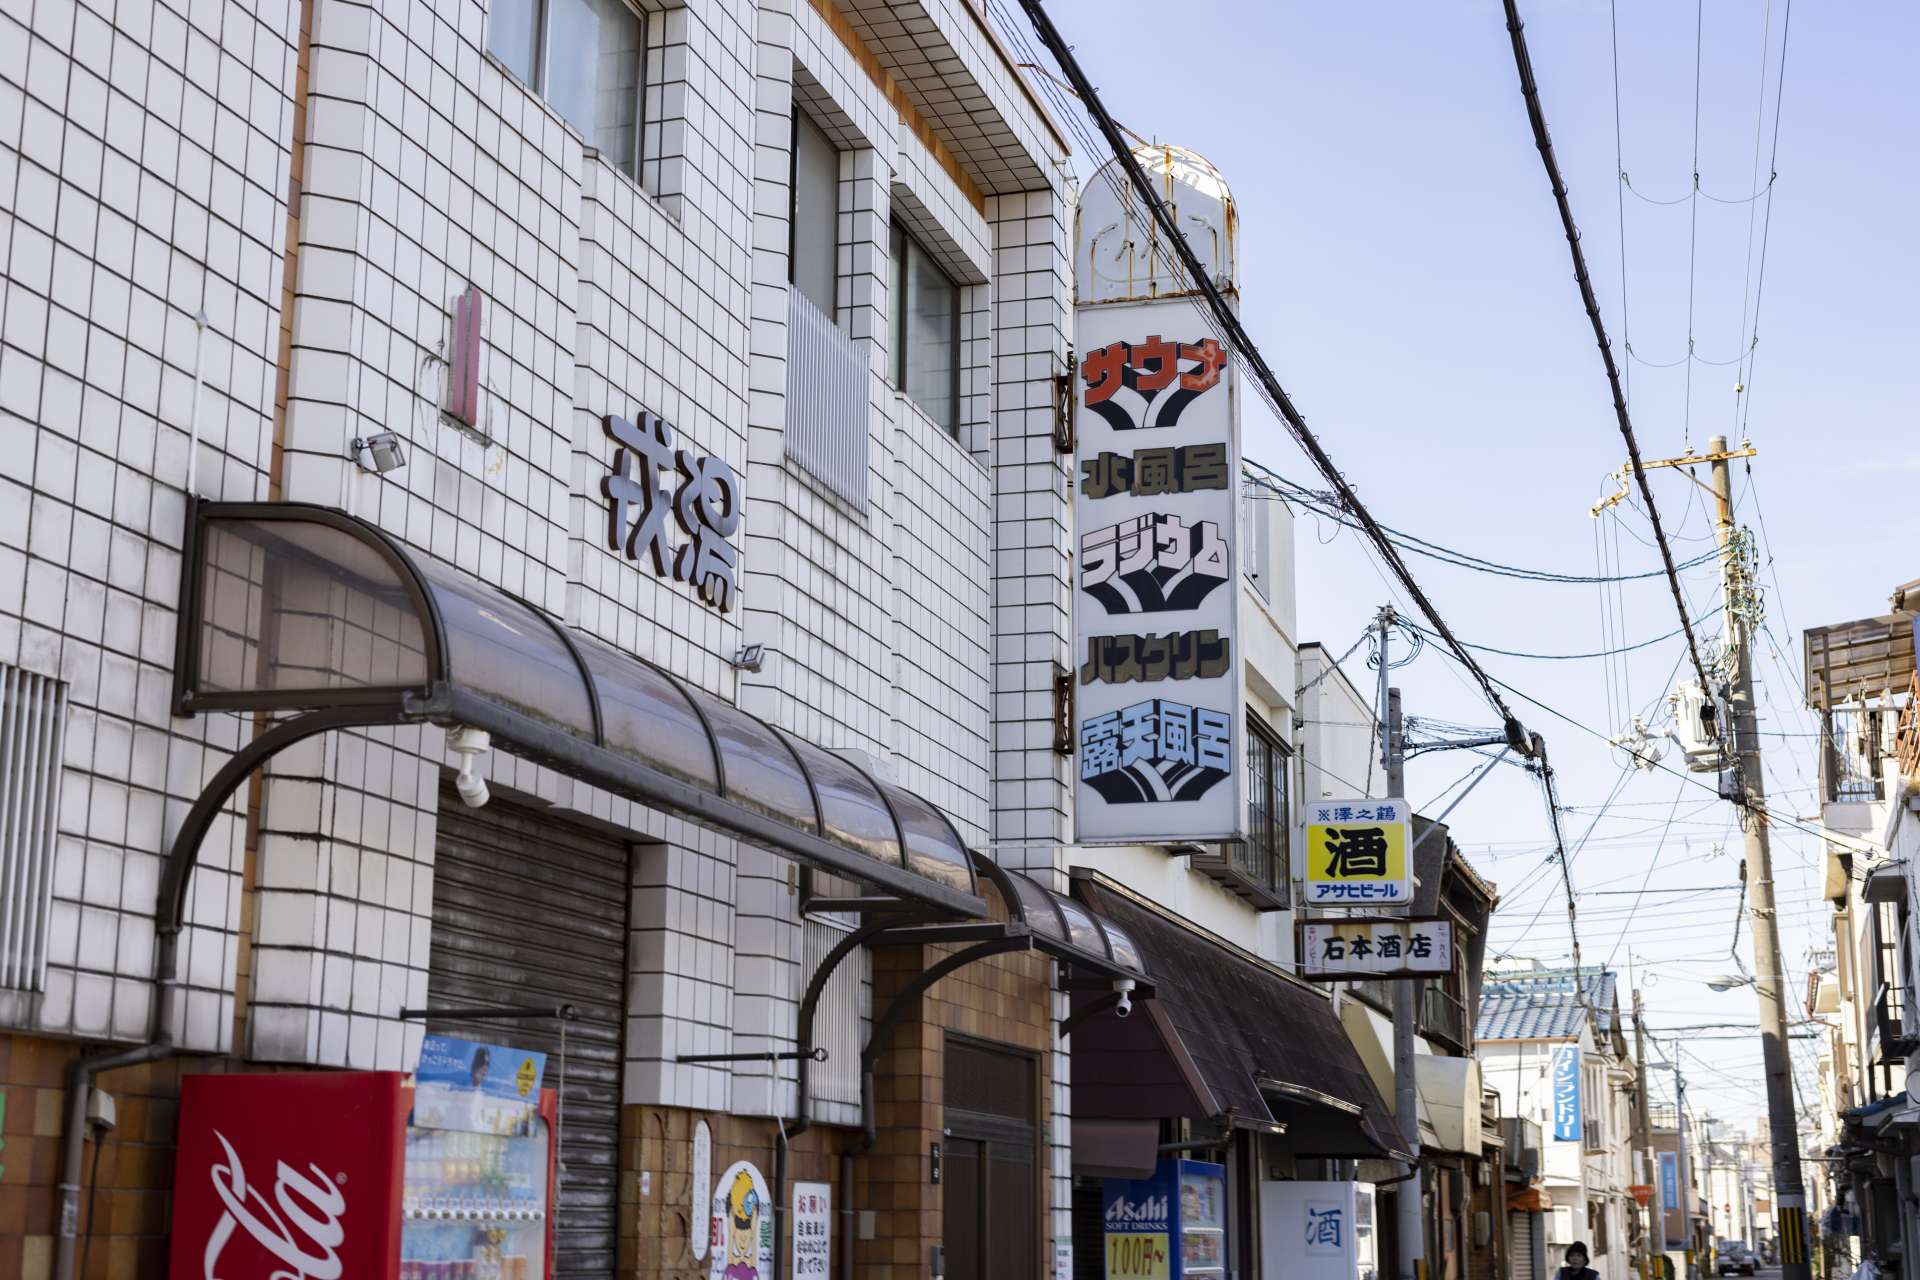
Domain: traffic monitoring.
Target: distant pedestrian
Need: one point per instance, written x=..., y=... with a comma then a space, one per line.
x=1576, y=1268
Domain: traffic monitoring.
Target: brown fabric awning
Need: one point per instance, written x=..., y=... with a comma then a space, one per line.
x=1115, y=1148
x=1228, y=1035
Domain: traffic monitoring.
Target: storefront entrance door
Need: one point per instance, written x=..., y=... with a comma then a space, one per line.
x=991, y=1200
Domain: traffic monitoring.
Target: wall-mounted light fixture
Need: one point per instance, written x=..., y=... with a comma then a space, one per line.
x=379, y=453
x=750, y=658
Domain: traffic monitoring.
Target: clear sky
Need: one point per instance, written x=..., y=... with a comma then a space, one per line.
x=1404, y=272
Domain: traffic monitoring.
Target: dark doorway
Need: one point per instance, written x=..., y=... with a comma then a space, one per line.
x=990, y=1174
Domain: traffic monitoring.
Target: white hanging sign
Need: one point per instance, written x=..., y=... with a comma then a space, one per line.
x=1338, y=949
x=1157, y=685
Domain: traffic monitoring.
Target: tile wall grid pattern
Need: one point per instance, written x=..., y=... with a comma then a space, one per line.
x=947, y=62
x=1032, y=562
x=601, y=299
x=144, y=156
x=1004, y=998
x=429, y=168
x=1032, y=568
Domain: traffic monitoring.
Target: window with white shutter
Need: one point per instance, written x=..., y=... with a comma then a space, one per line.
x=33, y=723
x=836, y=1021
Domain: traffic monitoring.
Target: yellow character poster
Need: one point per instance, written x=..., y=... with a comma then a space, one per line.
x=741, y=1242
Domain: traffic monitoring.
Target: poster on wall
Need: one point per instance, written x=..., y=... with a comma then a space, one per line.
x=479, y=1088
x=702, y=1187
x=1158, y=679
x=741, y=1239
x=1566, y=1093
x=1669, y=1180
x=812, y=1230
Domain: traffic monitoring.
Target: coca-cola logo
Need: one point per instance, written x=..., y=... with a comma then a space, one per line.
x=309, y=1206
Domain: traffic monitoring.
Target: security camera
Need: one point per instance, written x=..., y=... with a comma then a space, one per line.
x=1123, y=987
x=469, y=744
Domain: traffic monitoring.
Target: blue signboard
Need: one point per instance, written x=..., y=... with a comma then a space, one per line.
x=1669, y=1180
x=1566, y=1093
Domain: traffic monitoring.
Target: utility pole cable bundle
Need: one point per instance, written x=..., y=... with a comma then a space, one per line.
x=1530, y=90
x=1243, y=347
x=1740, y=739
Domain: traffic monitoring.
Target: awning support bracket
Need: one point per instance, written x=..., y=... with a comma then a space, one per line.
x=1091, y=1009
x=490, y=1012
x=908, y=998
x=184, y=852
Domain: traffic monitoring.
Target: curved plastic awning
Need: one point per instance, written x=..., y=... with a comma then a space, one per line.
x=1065, y=929
x=288, y=606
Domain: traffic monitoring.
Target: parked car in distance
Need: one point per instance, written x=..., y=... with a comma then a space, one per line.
x=1732, y=1257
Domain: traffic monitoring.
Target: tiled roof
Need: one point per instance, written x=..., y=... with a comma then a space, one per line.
x=1540, y=1004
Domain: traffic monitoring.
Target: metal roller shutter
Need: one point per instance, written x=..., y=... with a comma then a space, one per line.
x=1520, y=1229
x=530, y=911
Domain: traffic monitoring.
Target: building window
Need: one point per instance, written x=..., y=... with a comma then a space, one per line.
x=583, y=57
x=813, y=230
x=837, y=1015
x=1256, y=539
x=926, y=332
x=1267, y=815
x=33, y=726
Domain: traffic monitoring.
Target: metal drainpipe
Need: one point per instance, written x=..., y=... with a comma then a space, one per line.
x=846, y=1215
x=80, y=1075
x=802, y=1123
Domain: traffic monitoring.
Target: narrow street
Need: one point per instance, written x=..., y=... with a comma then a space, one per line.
x=958, y=639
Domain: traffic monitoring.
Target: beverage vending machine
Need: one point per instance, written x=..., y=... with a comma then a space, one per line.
x=1171, y=1226
x=314, y=1175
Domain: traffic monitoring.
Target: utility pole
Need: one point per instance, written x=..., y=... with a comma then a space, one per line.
x=1769, y=985
x=1409, y=1219
x=1653, y=1242
x=1686, y=1171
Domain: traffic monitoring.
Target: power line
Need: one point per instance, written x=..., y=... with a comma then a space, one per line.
x=1693, y=223
x=1326, y=505
x=1530, y=91
x=1652, y=863
x=1263, y=376
x=1749, y=198
x=1620, y=199
x=1575, y=657
x=1746, y=273
x=1766, y=226
x=1761, y=813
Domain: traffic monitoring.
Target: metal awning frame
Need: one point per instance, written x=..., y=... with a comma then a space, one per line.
x=442, y=701
x=977, y=940
x=1853, y=662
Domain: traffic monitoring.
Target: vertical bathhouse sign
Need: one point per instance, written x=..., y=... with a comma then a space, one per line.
x=1158, y=673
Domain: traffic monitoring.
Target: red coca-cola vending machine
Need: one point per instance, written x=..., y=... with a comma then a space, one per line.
x=336, y=1175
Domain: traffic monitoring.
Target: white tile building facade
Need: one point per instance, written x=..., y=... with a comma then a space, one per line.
x=319, y=179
